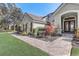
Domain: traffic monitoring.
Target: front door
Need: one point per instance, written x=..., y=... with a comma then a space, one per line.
x=69, y=26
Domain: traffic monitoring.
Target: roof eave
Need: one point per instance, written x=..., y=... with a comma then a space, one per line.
x=53, y=13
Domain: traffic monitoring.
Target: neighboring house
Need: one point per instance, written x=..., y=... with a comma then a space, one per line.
x=30, y=22
x=65, y=17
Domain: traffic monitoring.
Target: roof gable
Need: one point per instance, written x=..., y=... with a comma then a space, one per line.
x=63, y=5
x=55, y=10
x=32, y=18
x=59, y=8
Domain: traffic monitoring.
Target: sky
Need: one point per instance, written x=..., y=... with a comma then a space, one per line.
x=39, y=9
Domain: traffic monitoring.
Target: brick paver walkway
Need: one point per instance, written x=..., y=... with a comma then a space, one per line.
x=58, y=47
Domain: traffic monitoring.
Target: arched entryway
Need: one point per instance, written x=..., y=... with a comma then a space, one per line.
x=69, y=22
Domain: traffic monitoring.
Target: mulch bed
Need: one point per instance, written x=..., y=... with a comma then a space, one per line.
x=49, y=39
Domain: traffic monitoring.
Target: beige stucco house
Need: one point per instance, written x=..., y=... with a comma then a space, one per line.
x=30, y=22
x=65, y=17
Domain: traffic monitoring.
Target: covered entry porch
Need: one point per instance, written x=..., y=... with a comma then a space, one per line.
x=69, y=22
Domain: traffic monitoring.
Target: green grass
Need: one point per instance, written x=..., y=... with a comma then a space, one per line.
x=11, y=46
x=75, y=52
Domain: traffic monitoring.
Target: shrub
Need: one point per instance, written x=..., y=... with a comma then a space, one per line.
x=30, y=34
x=24, y=33
x=38, y=32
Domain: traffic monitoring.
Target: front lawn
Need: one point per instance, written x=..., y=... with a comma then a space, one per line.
x=75, y=52
x=11, y=46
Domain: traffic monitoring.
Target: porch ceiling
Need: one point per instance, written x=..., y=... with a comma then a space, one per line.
x=69, y=14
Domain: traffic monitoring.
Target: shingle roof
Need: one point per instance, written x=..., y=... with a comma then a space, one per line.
x=34, y=17
x=37, y=19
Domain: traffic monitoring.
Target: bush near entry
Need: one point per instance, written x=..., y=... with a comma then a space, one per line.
x=76, y=33
x=38, y=32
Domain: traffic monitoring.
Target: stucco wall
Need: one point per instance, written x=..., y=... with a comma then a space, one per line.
x=59, y=13
x=26, y=20
x=67, y=7
x=35, y=25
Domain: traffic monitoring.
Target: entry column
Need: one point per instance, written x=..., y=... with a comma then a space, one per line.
x=78, y=20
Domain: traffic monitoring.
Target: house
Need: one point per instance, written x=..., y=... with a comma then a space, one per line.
x=30, y=22
x=65, y=17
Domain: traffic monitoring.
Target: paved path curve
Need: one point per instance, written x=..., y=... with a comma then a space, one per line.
x=58, y=47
